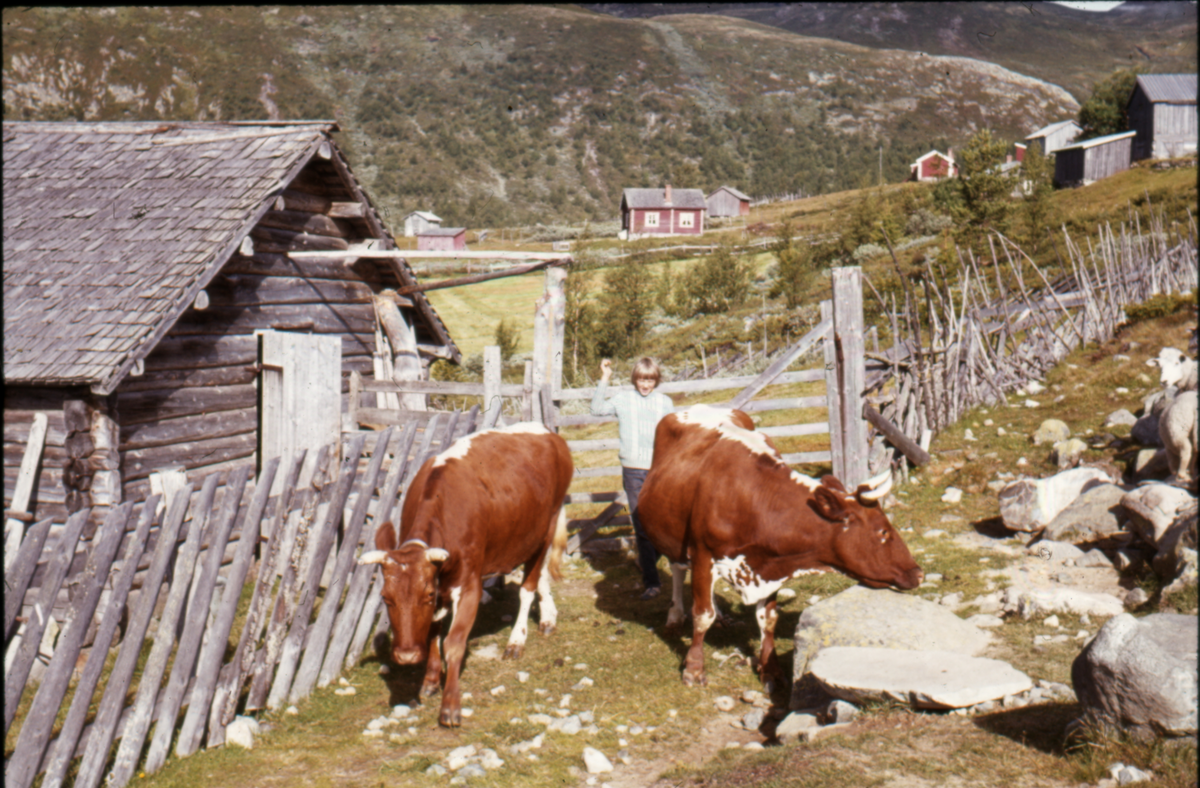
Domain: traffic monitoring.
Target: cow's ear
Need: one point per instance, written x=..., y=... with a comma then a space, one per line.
x=828, y=504
x=385, y=537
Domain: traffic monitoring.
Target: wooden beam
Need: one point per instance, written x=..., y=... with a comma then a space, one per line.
x=773, y=371
x=14, y=527
x=915, y=454
x=414, y=254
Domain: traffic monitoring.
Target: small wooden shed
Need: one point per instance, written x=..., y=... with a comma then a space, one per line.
x=1055, y=136
x=1162, y=110
x=418, y=221
x=142, y=260
x=442, y=239
x=727, y=201
x=1091, y=160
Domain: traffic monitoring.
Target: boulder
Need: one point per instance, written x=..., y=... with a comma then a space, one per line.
x=1054, y=552
x=1095, y=514
x=861, y=616
x=1177, y=549
x=1149, y=464
x=1052, y=431
x=926, y=679
x=1153, y=508
x=791, y=726
x=1031, y=504
x=1067, y=454
x=1120, y=418
x=1139, y=675
x=596, y=761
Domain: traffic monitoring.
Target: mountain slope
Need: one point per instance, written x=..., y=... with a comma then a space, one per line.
x=516, y=114
x=1066, y=46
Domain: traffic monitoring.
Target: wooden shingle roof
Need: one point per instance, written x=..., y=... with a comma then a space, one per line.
x=1168, y=88
x=656, y=198
x=112, y=229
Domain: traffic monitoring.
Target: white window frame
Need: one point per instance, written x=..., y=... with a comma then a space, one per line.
x=651, y=219
x=687, y=219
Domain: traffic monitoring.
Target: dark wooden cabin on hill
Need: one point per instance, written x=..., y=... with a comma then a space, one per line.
x=142, y=260
x=1089, y=161
x=1162, y=110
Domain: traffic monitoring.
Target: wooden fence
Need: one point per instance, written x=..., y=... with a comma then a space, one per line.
x=973, y=339
x=186, y=565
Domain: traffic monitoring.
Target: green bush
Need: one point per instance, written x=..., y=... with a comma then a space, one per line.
x=1160, y=305
x=507, y=337
x=716, y=284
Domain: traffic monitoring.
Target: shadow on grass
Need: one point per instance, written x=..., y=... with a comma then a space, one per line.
x=1042, y=726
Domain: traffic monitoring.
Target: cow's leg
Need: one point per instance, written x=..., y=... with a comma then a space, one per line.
x=547, y=610
x=433, y=664
x=465, y=606
x=703, y=616
x=768, y=664
x=677, y=615
x=520, y=630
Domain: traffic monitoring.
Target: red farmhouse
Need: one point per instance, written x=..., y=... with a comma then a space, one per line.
x=646, y=212
x=934, y=166
x=442, y=239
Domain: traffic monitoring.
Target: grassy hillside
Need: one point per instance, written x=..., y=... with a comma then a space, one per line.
x=1062, y=45
x=510, y=115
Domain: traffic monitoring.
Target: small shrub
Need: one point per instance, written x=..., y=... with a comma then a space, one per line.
x=1160, y=305
x=927, y=222
x=507, y=337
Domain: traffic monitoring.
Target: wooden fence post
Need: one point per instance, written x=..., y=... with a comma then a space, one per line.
x=35, y=731
x=59, y=754
x=56, y=571
x=492, y=402
x=527, y=396
x=556, y=302
x=13, y=527
x=849, y=348
x=16, y=580
x=541, y=355
x=833, y=400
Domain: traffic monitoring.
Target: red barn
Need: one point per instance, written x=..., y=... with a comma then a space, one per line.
x=666, y=211
x=442, y=239
x=934, y=166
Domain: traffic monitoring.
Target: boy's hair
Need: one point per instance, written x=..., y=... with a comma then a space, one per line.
x=646, y=369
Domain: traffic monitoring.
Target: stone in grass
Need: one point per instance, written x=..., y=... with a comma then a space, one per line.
x=840, y=711
x=1067, y=454
x=596, y=761
x=1095, y=514
x=470, y=771
x=1050, y=432
x=952, y=495
x=460, y=756
x=791, y=726
x=927, y=679
x=400, y=711
x=725, y=703
x=436, y=770
x=241, y=732
x=1120, y=418
x=1031, y=504
x=490, y=759
x=752, y=719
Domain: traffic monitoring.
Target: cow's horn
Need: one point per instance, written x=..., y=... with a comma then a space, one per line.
x=877, y=486
x=373, y=557
x=436, y=555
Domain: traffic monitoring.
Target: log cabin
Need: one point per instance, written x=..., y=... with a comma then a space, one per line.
x=142, y=259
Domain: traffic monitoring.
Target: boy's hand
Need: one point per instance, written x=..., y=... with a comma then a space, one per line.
x=605, y=370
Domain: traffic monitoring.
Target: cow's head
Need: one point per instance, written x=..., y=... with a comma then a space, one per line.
x=863, y=543
x=410, y=591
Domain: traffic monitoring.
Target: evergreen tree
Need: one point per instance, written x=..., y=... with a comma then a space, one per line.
x=985, y=189
x=1036, y=179
x=795, y=267
x=624, y=307
x=579, y=335
x=1104, y=112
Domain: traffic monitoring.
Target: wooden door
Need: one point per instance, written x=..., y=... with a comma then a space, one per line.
x=300, y=397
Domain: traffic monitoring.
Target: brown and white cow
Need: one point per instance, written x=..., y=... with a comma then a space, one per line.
x=491, y=502
x=720, y=497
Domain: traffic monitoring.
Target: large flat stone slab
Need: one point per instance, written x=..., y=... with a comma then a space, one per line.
x=926, y=679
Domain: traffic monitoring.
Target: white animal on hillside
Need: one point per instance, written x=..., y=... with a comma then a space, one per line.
x=1179, y=428
x=1177, y=369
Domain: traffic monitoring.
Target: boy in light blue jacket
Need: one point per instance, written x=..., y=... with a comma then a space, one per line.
x=638, y=413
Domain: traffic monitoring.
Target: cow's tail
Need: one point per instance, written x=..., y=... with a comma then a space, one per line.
x=559, y=545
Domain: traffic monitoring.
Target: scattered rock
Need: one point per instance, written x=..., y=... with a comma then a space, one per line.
x=1038, y=601
x=291, y=711
x=952, y=495
x=860, y=616
x=1136, y=598
x=951, y=600
x=753, y=719
x=785, y=594
x=927, y=679
x=725, y=703
x=1139, y=675
x=1120, y=418
x=790, y=728
x=344, y=691
x=1054, y=552
x=1095, y=514
x=241, y=732
x=522, y=676
x=1032, y=403
x=1067, y=454
x=839, y=711
x=985, y=621
x=1051, y=621
x=1094, y=559
x=596, y=761
x=934, y=533
x=1176, y=556
x=459, y=757
x=1052, y=431
x=436, y=770
x=1031, y=504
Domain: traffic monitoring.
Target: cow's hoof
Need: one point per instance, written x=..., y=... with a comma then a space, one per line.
x=429, y=690
x=695, y=678
x=514, y=651
x=450, y=718
x=546, y=628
